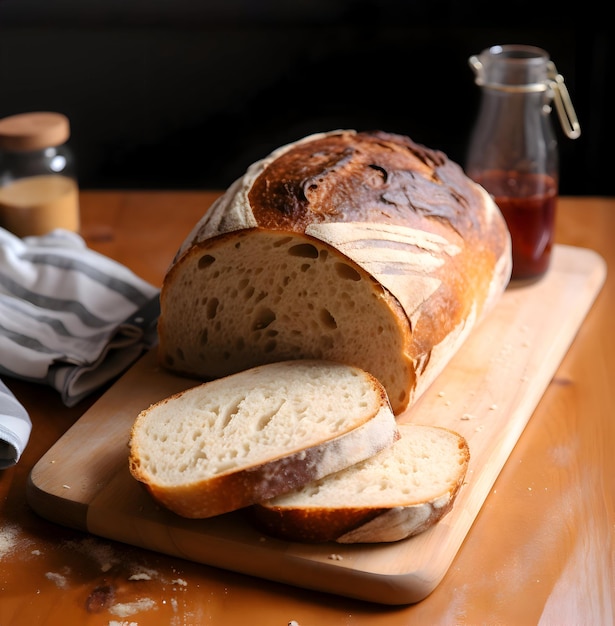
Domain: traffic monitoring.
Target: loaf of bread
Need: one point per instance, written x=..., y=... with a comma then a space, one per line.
x=395, y=494
x=361, y=248
x=237, y=440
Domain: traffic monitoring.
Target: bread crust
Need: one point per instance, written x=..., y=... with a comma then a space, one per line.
x=365, y=524
x=408, y=216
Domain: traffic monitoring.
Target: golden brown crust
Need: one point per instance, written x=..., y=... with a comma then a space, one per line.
x=310, y=526
x=384, y=178
x=359, y=524
x=372, y=177
x=429, y=237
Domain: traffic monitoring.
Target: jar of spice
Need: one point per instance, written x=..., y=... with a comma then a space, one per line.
x=38, y=183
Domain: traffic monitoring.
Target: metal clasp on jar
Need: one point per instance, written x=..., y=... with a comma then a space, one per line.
x=554, y=84
x=563, y=103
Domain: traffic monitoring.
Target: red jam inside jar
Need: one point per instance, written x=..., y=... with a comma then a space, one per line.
x=527, y=202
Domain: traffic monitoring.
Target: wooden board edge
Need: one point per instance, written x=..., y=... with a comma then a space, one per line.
x=186, y=540
x=70, y=513
x=41, y=492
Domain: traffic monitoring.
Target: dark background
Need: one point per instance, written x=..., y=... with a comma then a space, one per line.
x=187, y=93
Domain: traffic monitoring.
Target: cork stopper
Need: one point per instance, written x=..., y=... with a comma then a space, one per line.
x=33, y=131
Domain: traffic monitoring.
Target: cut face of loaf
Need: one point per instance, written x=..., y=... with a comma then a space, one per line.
x=229, y=443
x=264, y=296
x=362, y=248
x=396, y=494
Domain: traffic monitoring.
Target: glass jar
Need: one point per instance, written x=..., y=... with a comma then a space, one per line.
x=38, y=183
x=513, y=150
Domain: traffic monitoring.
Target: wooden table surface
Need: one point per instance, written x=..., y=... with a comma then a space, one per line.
x=542, y=549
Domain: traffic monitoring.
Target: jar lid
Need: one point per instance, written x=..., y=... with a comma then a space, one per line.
x=33, y=131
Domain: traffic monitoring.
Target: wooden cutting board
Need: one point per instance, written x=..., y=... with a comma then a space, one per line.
x=488, y=393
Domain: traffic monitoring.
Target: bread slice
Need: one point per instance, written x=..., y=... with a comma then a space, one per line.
x=396, y=494
x=234, y=441
x=361, y=248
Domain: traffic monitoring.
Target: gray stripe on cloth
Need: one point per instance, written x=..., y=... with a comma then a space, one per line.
x=51, y=303
x=130, y=292
x=55, y=324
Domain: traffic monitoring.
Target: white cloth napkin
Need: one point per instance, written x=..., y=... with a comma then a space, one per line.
x=15, y=427
x=70, y=318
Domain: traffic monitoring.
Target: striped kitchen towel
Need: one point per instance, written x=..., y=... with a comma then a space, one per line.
x=69, y=316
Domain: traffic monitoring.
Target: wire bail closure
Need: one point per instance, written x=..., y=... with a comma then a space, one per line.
x=554, y=85
x=563, y=103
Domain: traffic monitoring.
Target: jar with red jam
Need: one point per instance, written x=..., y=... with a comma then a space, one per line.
x=513, y=151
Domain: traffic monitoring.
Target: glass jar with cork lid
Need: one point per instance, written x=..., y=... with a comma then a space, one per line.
x=38, y=183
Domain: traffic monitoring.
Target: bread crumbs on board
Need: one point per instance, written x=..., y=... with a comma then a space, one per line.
x=124, y=609
x=59, y=579
x=8, y=540
x=106, y=557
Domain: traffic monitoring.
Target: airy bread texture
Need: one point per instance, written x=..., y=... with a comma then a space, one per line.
x=395, y=494
x=360, y=248
x=229, y=443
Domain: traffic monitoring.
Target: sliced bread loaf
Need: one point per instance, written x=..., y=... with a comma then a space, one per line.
x=395, y=494
x=234, y=441
x=361, y=248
